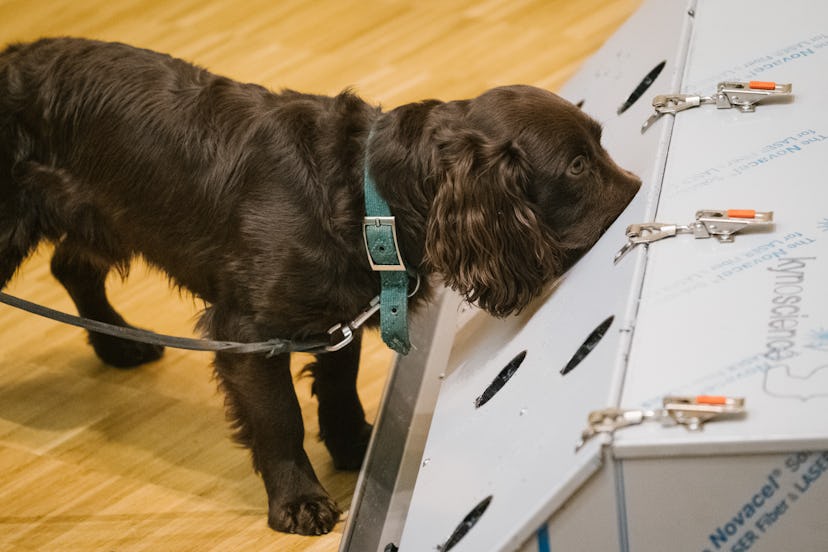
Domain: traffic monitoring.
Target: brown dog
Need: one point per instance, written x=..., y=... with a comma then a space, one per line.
x=253, y=201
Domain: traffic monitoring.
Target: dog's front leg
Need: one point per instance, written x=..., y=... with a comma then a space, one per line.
x=264, y=411
x=342, y=424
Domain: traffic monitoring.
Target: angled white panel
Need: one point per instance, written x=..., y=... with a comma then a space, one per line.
x=518, y=448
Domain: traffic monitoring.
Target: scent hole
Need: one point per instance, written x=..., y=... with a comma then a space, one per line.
x=588, y=345
x=465, y=526
x=642, y=87
x=500, y=380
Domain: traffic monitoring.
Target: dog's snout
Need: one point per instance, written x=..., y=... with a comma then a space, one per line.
x=625, y=179
x=633, y=179
x=631, y=175
x=630, y=184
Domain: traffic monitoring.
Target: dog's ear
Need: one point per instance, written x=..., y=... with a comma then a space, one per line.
x=483, y=237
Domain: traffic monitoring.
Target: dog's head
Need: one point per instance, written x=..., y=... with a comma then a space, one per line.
x=522, y=189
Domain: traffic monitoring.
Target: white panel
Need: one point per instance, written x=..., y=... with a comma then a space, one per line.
x=734, y=504
x=519, y=447
x=588, y=522
x=749, y=318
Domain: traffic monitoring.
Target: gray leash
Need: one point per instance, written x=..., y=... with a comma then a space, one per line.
x=336, y=338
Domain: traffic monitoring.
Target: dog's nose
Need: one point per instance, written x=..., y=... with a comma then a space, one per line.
x=632, y=178
x=631, y=175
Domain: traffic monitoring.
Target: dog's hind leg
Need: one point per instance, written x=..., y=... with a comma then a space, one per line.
x=12, y=252
x=342, y=424
x=19, y=235
x=85, y=281
x=10, y=259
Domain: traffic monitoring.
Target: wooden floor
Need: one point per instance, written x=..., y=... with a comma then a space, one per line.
x=95, y=458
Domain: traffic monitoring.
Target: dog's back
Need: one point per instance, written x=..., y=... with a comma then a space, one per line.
x=123, y=151
x=70, y=117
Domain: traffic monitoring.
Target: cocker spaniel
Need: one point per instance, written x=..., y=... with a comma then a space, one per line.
x=253, y=201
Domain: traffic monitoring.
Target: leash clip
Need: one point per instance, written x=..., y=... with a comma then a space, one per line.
x=718, y=223
x=346, y=335
x=691, y=412
x=343, y=333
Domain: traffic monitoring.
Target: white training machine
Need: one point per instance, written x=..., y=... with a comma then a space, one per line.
x=671, y=392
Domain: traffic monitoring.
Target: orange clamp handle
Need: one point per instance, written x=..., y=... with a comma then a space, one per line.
x=762, y=85
x=711, y=399
x=741, y=213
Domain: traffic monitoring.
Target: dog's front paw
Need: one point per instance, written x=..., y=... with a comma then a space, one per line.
x=123, y=353
x=306, y=515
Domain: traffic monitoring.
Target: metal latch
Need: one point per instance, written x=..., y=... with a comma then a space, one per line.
x=743, y=95
x=691, y=412
x=720, y=224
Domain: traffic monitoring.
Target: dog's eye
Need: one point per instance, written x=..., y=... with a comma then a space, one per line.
x=577, y=166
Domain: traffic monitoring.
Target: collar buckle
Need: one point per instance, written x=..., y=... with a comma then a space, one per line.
x=380, y=236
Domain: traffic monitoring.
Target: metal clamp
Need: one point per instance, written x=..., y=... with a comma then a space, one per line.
x=691, y=412
x=672, y=104
x=717, y=223
x=743, y=95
